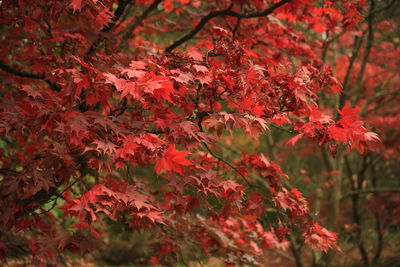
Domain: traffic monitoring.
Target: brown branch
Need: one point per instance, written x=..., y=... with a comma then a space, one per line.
x=371, y=191
x=139, y=20
x=295, y=251
x=222, y=13
x=233, y=167
x=119, y=111
x=281, y=129
x=117, y=15
x=356, y=214
x=283, y=254
x=236, y=28
x=381, y=104
x=122, y=4
x=349, y=173
x=354, y=54
x=388, y=6
x=325, y=158
x=6, y=68
x=368, y=47
x=378, y=225
x=19, y=73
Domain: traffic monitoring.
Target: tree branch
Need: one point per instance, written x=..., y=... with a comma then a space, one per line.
x=354, y=55
x=378, y=225
x=6, y=68
x=139, y=20
x=117, y=14
x=371, y=191
x=233, y=167
x=376, y=11
x=368, y=47
x=16, y=72
x=295, y=251
x=222, y=13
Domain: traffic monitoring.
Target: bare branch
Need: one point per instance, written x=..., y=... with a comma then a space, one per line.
x=354, y=55
x=233, y=167
x=222, y=13
x=371, y=191
x=368, y=47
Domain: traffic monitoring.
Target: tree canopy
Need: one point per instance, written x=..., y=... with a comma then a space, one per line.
x=199, y=124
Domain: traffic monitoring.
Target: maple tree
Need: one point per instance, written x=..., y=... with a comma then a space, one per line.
x=127, y=112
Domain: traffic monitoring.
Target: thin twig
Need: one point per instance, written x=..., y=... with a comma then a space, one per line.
x=371, y=191
x=222, y=13
x=227, y=163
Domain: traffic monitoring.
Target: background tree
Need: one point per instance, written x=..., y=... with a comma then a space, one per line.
x=167, y=120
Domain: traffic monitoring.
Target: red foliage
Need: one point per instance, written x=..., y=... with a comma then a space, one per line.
x=86, y=95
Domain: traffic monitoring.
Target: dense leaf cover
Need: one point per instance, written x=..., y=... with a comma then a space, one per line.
x=94, y=91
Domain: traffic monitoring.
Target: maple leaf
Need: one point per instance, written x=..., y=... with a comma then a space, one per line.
x=150, y=141
x=76, y=4
x=80, y=207
x=81, y=83
x=103, y=147
x=11, y=184
x=122, y=85
x=350, y=128
x=283, y=201
x=349, y=114
x=254, y=125
x=142, y=204
x=214, y=124
x=109, y=123
x=317, y=116
x=168, y=5
x=200, y=68
x=158, y=86
x=295, y=139
x=320, y=238
x=183, y=77
x=136, y=69
x=271, y=240
x=41, y=182
x=338, y=133
x=154, y=216
x=280, y=118
x=173, y=160
x=139, y=65
x=129, y=148
x=320, y=28
x=230, y=186
x=34, y=93
x=219, y=31
x=103, y=17
x=97, y=80
x=135, y=73
x=371, y=136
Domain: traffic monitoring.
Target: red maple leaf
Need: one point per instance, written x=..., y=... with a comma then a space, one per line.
x=76, y=4
x=173, y=160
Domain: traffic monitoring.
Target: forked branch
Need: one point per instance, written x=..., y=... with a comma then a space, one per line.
x=139, y=20
x=222, y=13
